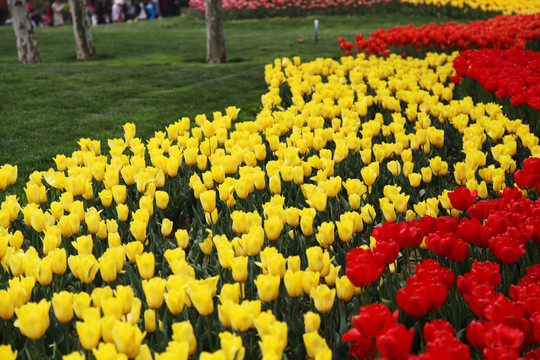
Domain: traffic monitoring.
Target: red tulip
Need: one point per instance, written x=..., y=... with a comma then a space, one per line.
x=395, y=341
x=506, y=249
x=372, y=319
x=448, y=245
x=364, y=267
x=462, y=198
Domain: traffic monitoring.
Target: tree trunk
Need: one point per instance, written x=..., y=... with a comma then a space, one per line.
x=82, y=28
x=215, y=36
x=27, y=45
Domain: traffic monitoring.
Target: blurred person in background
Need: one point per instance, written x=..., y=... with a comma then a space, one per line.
x=57, y=16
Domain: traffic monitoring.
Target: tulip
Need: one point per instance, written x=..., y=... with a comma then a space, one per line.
x=395, y=341
x=230, y=292
x=325, y=234
x=272, y=227
x=318, y=201
x=208, y=201
x=175, y=300
x=323, y=298
x=183, y=332
x=414, y=179
x=112, y=307
x=201, y=297
x=150, y=320
x=33, y=319
x=239, y=268
x=106, y=351
x=166, y=227
x=232, y=346
x=182, y=238
x=312, y=322
x=6, y=305
x=316, y=346
x=345, y=288
x=153, y=291
x=267, y=287
x=43, y=271
x=162, y=199
x=122, y=211
x=6, y=352
x=58, y=260
x=106, y=197
x=84, y=245
x=119, y=193
x=81, y=302
x=128, y=339
x=138, y=230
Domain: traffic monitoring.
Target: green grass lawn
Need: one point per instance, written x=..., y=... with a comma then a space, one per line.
x=150, y=73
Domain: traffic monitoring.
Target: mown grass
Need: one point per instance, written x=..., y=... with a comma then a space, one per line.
x=150, y=73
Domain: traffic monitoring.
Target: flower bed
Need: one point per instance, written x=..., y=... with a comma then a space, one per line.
x=507, y=73
x=277, y=210
x=241, y=9
x=501, y=32
x=506, y=7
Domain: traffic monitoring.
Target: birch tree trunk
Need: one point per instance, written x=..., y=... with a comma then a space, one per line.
x=215, y=35
x=82, y=28
x=27, y=45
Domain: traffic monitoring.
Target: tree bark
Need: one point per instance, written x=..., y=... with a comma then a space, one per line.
x=215, y=35
x=82, y=28
x=27, y=45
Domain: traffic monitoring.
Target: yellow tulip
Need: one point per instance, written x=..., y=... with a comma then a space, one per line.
x=58, y=260
x=122, y=210
x=112, y=307
x=414, y=179
x=230, y=292
x=394, y=167
x=106, y=197
x=138, y=230
x=126, y=295
x=153, y=291
x=208, y=200
x=201, y=297
x=128, y=339
x=345, y=289
x=150, y=320
x=312, y=322
x=43, y=271
x=345, y=229
x=182, y=238
x=84, y=245
x=6, y=305
x=107, y=351
x=81, y=302
x=267, y=287
x=175, y=300
x=36, y=193
x=33, y=319
x=162, y=199
x=239, y=268
x=323, y=298
x=272, y=227
x=325, y=234
x=316, y=346
x=166, y=227
x=275, y=184
x=231, y=344
x=183, y=331
x=306, y=221
x=388, y=209
x=293, y=283
x=6, y=353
